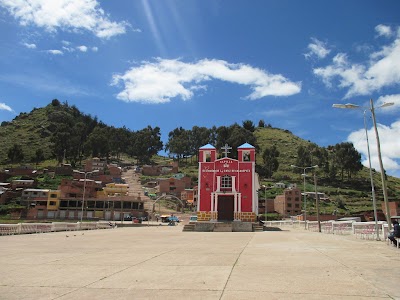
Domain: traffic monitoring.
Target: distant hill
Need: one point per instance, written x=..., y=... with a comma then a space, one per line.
x=354, y=194
x=30, y=130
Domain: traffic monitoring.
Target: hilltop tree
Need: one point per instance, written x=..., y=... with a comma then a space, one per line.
x=39, y=156
x=146, y=143
x=62, y=126
x=303, y=156
x=234, y=136
x=249, y=125
x=98, y=142
x=347, y=159
x=179, y=143
x=261, y=124
x=199, y=136
x=55, y=102
x=15, y=154
x=119, y=140
x=270, y=158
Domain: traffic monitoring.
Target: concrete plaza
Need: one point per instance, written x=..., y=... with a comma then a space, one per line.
x=162, y=262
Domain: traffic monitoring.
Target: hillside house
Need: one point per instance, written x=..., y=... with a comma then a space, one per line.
x=157, y=170
x=23, y=184
x=174, y=186
x=95, y=164
x=190, y=196
x=289, y=203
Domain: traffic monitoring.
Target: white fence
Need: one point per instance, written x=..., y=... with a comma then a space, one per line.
x=364, y=230
x=23, y=228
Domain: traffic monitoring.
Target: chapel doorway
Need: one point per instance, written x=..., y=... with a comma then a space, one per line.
x=225, y=208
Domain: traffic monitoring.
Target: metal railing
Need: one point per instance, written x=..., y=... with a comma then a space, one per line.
x=25, y=228
x=364, y=230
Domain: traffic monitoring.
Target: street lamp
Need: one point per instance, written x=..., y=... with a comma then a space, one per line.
x=84, y=187
x=317, y=202
x=265, y=199
x=384, y=188
x=304, y=186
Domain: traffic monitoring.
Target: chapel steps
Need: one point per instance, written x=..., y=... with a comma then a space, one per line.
x=221, y=227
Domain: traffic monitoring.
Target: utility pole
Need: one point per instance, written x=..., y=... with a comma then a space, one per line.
x=317, y=201
x=384, y=188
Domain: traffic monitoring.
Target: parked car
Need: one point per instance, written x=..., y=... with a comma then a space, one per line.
x=173, y=219
x=136, y=220
x=193, y=219
x=133, y=219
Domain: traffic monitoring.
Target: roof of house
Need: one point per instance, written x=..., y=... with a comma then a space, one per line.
x=23, y=180
x=36, y=190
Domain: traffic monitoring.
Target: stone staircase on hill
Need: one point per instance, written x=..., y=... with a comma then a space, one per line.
x=135, y=188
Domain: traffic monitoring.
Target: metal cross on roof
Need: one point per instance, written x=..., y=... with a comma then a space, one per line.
x=226, y=149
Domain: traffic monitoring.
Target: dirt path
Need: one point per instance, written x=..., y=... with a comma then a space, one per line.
x=136, y=189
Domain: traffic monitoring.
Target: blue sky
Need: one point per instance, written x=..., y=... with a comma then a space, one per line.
x=208, y=62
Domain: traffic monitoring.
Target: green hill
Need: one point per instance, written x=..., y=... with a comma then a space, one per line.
x=353, y=194
x=29, y=130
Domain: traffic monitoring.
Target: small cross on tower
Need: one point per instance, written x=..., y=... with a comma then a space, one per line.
x=226, y=149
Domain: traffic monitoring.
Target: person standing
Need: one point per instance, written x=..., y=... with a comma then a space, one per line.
x=395, y=233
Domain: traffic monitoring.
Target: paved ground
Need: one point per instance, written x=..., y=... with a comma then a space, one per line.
x=162, y=262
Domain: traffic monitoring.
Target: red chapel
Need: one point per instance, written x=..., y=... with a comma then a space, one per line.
x=227, y=187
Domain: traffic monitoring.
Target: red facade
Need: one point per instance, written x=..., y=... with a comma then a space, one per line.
x=227, y=186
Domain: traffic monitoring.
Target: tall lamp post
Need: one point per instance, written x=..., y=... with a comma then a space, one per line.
x=304, y=186
x=265, y=199
x=384, y=188
x=84, y=187
x=317, y=201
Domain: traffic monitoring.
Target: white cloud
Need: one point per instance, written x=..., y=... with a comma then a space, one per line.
x=317, y=49
x=164, y=79
x=382, y=70
x=55, y=52
x=383, y=30
x=69, y=15
x=389, y=143
x=30, y=46
x=95, y=49
x=68, y=49
x=4, y=106
x=82, y=48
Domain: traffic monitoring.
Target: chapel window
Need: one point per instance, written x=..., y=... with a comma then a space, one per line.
x=226, y=181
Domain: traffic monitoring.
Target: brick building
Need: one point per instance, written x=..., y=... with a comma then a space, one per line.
x=95, y=164
x=174, y=186
x=148, y=170
x=394, y=208
x=289, y=203
x=190, y=196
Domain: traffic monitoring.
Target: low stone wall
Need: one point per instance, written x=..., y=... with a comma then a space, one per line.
x=242, y=227
x=223, y=227
x=204, y=226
